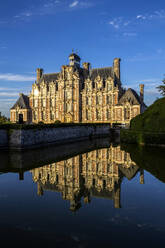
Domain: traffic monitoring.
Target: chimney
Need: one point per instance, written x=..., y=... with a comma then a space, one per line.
x=86, y=66
x=141, y=92
x=117, y=198
x=40, y=191
x=141, y=176
x=116, y=67
x=39, y=73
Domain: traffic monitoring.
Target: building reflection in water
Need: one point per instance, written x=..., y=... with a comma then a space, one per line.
x=98, y=173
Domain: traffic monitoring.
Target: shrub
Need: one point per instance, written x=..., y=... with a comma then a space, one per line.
x=57, y=122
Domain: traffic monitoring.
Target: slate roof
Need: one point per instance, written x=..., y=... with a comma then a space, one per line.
x=75, y=55
x=49, y=77
x=129, y=173
x=131, y=96
x=102, y=72
x=22, y=102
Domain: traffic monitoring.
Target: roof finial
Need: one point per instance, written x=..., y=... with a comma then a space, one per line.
x=72, y=50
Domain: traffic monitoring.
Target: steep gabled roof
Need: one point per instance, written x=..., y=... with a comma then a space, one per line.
x=22, y=102
x=130, y=172
x=102, y=72
x=50, y=77
x=130, y=96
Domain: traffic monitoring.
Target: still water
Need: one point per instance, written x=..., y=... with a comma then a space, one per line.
x=86, y=194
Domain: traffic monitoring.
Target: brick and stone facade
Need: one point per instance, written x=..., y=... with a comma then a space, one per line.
x=82, y=95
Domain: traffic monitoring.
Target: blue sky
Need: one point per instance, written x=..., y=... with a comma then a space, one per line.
x=42, y=33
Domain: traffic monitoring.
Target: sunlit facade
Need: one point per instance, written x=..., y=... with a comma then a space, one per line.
x=78, y=94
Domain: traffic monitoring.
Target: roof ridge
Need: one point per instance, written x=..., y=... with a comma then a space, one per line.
x=108, y=67
x=51, y=73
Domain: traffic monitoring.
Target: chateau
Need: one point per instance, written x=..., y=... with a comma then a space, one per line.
x=79, y=94
x=98, y=173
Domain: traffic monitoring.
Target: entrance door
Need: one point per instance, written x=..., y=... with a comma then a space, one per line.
x=20, y=118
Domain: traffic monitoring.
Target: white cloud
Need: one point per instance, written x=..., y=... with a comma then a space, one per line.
x=8, y=94
x=159, y=14
x=74, y=4
x=27, y=14
x=141, y=17
x=47, y=7
x=122, y=22
x=150, y=80
x=16, y=77
x=8, y=100
x=116, y=22
x=15, y=89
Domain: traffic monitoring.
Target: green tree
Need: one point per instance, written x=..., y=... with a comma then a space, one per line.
x=161, y=88
x=3, y=119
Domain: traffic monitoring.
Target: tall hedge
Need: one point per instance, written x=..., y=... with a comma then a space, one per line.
x=153, y=119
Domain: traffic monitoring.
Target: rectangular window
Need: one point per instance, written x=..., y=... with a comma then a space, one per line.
x=98, y=115
x=52, y=103
x=109, y=100
x=43, y=115
x=109, y=86
x=89, y=101
x=108, y=115
x=36, y=103
x=51, y=116
x=119, y=114
x=44, y=103
x=35, y=115
x=86, y=100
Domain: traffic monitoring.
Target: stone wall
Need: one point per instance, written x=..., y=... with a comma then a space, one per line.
x=3, y=138
x=22, y=139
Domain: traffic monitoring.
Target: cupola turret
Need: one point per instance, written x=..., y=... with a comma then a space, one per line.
x=74, y=60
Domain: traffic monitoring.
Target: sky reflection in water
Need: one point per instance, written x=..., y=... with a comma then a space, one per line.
x=98, y=196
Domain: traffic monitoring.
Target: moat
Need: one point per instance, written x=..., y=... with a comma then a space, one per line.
x=85, y=194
